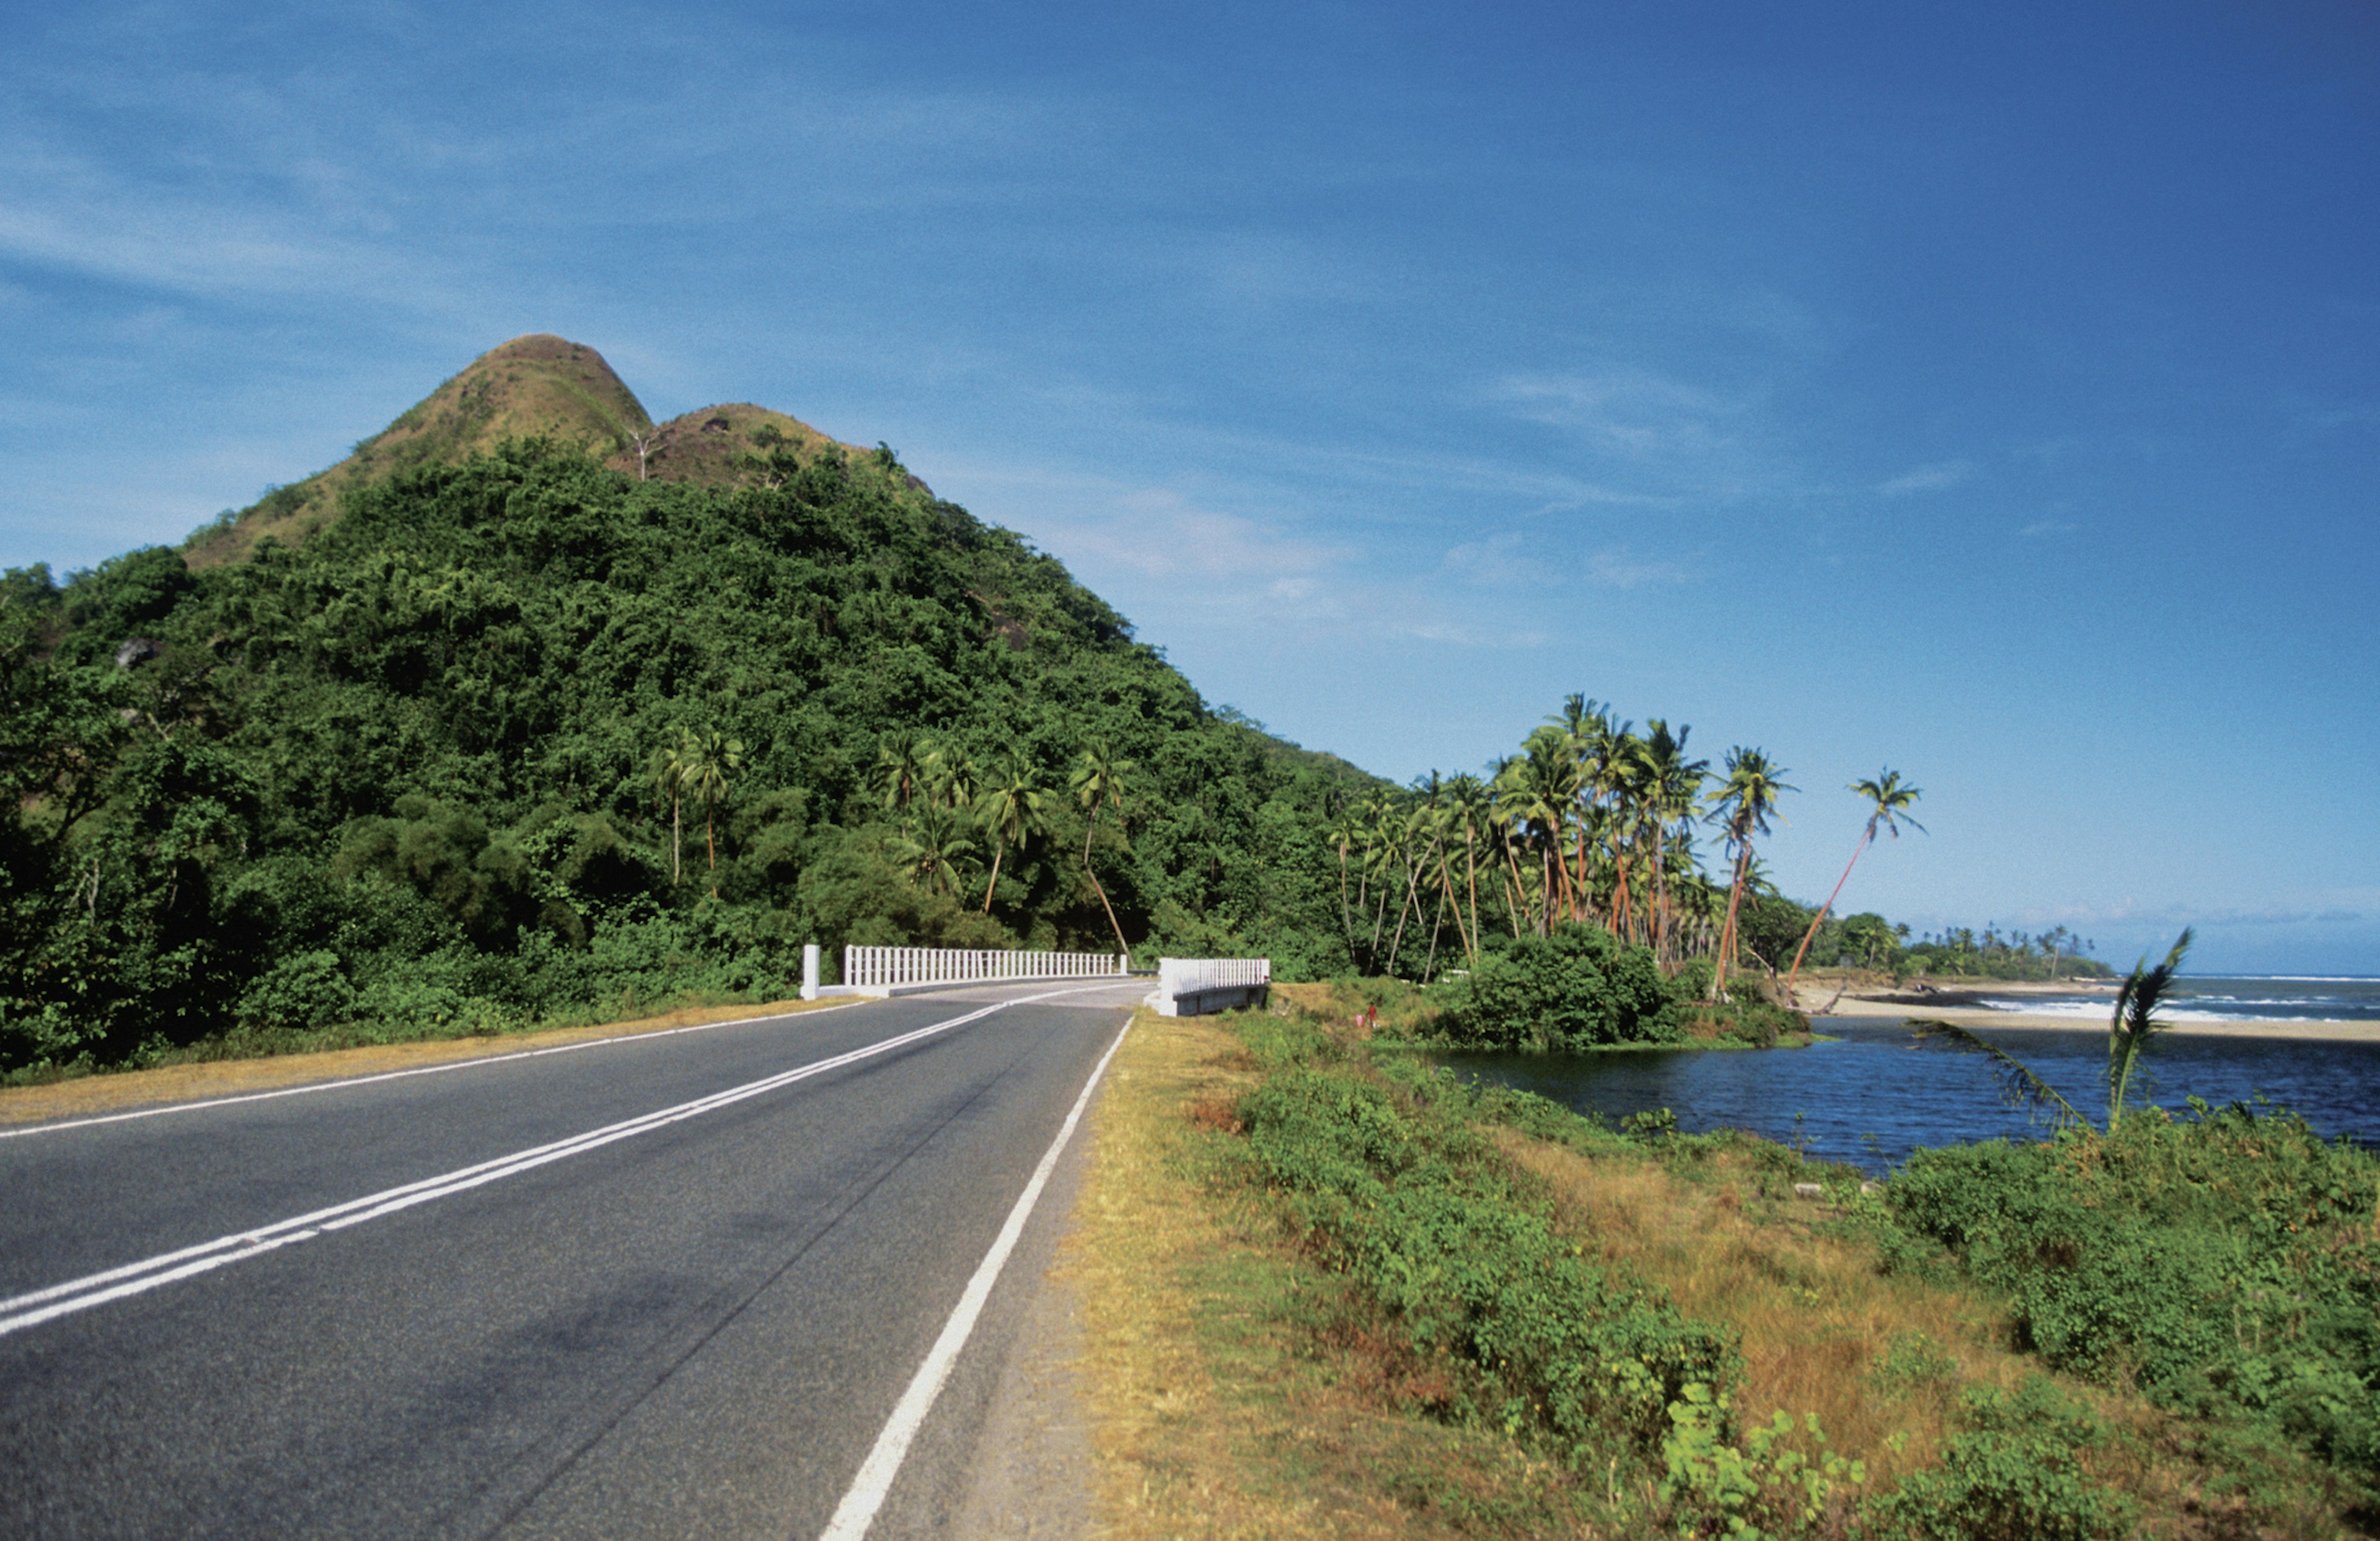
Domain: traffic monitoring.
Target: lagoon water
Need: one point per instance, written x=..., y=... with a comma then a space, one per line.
x=1871, y=1097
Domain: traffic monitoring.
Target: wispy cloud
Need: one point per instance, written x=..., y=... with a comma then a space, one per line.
x=1928, y=479
x=1618, y=570
x=2041, y=530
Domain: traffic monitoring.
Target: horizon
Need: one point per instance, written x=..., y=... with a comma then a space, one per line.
x=1994, y=399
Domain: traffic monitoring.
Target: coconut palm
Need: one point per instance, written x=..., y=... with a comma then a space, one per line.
x=2130, y=1030
x=2136, y=1023
x=1011, y=808
x=667, y=776
x=1099, y=782
x=1468, y=804
x=1890, y=801
x=1742, y=806
x=709, y=762
x=1673, y=785
x=931, y=846
x=1346, y=833
x=951, y=778
x=900, y=768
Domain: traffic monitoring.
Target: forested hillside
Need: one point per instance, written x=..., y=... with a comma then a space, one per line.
x=529, y=734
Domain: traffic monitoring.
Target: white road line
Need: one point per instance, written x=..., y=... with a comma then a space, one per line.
x=874, y=1481
x=19, y=1312
x=346, y=1081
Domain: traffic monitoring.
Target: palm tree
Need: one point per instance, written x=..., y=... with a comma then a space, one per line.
x=1742, y=808
x=707, y=761
x=1673, y=784
x=2136, y=1022
x=1346, y=833
x=1891, y=801
x=1098, y=781
x=900, y=768
x=667, y=774
x=1468, y=804
x=2130, y=1032
x=1011, y=811
x=930, y=847
x=951, y=778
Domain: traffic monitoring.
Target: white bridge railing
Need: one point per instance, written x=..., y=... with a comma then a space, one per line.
x=874, y=969
x=1186, y=986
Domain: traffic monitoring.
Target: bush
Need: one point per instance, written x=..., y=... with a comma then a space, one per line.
x=2225, y=1262
x=2011, y=1475
x=1574, y=989
x=1425, y=1216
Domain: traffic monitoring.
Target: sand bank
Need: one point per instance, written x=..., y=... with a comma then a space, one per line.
x=1870, y=1013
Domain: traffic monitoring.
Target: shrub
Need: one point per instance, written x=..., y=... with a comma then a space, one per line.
x=1574, y=990
x=1425, y=1217
x=2012, y=1475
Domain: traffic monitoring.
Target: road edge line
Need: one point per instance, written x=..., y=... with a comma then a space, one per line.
x=873, y=1482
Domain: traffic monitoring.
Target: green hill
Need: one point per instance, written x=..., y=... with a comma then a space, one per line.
x=396, y=768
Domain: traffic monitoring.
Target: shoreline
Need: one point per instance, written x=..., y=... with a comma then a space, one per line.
x=1853, y=1009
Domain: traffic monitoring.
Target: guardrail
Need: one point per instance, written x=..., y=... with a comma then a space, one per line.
x=1187, y=987
x=903, y=970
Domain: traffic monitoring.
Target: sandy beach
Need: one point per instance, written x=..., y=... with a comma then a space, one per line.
x=1867, y=1013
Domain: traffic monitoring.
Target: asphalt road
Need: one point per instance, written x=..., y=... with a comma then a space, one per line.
x=695, y=1327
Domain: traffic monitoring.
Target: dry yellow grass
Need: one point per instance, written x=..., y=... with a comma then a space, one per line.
x=189, y=1082
x=1814, y=1312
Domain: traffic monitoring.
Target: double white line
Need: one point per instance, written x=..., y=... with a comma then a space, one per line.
x=81, y=1294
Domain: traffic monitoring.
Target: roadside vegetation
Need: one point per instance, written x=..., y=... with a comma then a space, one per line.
x=1392, y=1304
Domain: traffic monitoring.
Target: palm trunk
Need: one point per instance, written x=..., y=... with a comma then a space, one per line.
x=1446, y=885
x=1097, y=887
x=1412, y=885
x=1470, y=875
x=711, y=848
x=1795, y=972
x=998, y=851
x=676, y=862
x=1727, y=934
x=1437, y=924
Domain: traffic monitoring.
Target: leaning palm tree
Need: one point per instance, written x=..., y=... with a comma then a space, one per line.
x=710, y=761
x=1891, y=801
x=1098, y=781
x=1346, y=833
x=1011, y=811
x=2130, y=1032
x=2136, y=1022
x=1743, y=807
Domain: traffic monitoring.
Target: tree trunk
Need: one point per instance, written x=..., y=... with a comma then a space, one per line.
x=711, y=848
x=1727, y=934
x=1795, y=972
x=676, y=844
x=998, y=851
x=1100, y=888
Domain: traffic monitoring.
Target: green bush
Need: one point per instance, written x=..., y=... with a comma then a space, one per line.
x=2225, y=1263
x=1426, y=1217
x=2012, y=1475
x=1576, y=988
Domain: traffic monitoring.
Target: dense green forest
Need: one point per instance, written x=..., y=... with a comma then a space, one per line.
x=527, y=734
x=422, y=747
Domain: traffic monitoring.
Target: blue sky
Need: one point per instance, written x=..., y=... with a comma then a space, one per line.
x=1995, y=399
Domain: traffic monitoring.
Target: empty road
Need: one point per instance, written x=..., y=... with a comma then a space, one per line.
x=663, y=1285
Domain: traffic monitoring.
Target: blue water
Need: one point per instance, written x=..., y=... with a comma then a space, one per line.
x=1873, y=1096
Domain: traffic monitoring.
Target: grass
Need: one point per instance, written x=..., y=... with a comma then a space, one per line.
x=1241, y=1385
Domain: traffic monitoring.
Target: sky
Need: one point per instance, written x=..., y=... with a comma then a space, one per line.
x=1995, y=398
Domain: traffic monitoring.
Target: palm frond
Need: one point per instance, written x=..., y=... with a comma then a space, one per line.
x=2019, y=1085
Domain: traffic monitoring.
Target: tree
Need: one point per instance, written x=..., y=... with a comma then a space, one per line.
x=930, y=848
x=902, y=759
x=2136, y=1023
x=667, y=777
x=1098, y=781
x=2130, y=1030
x=1743, y=807
x=1011, y=811
x=1890, y=802
x=707, y=763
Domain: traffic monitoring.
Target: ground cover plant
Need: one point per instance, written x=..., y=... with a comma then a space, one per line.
x=1499, y=1268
